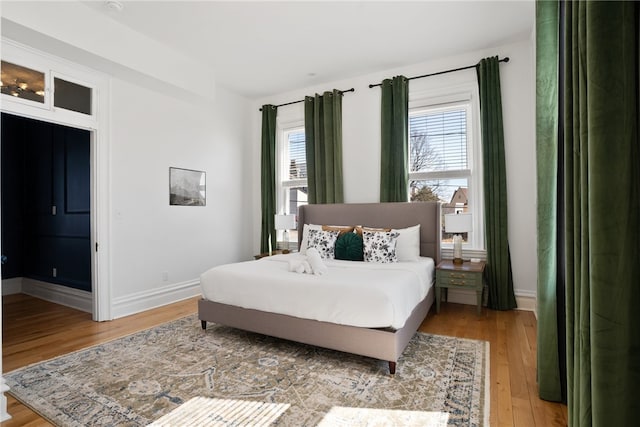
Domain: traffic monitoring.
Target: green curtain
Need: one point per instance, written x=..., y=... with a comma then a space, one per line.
x=268, y=177
x=549, y=354
x=323, y=140
x=602, y=205
x=498, y=270
x=394, y=168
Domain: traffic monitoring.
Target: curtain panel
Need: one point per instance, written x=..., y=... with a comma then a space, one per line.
x=394, y=168
x=498, y=270
x=602, y=200
x=592, y=70
x=323, y=140
x=551, y=311
x=268, y=177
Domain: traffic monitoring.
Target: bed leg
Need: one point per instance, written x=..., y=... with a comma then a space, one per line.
x=204, y=324
x=392, y=367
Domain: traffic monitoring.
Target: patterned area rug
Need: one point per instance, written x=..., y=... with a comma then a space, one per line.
x=136, y=380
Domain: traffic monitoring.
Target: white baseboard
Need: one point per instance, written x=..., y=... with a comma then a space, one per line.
x=63, y=295
x=83, y=300
x=142, y=301
x=524, y=299
x=527, y=301
x=12, y=286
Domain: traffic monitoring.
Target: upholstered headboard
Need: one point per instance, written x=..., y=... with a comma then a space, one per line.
x=394, y=215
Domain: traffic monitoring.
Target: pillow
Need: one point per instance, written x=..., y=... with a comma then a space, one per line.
x=324, y=242
x=305, y=236
x=342, y=229
x=408, y=243
x=305, y=233
x=360, y=228
x=380, y=246
x=349, y=247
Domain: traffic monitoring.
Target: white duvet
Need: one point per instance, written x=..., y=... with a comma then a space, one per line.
x=350, y=293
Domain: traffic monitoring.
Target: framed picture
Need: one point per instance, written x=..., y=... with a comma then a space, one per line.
x=187, y=187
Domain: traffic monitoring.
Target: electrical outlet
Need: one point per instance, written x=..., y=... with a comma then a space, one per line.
x=55, y=272
x=165, y=276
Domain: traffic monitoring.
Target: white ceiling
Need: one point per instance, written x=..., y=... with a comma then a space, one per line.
x=264, y=48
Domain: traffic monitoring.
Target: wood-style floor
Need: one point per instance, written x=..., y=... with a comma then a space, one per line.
x=36, y=330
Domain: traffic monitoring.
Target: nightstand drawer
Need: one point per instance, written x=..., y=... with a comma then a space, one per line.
x=455, y=274
x=469, y=281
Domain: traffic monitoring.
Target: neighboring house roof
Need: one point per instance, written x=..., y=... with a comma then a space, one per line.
x=459, y=197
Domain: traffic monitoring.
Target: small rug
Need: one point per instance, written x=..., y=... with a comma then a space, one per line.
x=135, y=380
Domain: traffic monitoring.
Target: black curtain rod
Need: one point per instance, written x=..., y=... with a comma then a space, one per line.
x=302, y=100
x=442, y=72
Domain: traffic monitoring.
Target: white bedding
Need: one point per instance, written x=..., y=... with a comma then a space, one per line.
x=350, y=293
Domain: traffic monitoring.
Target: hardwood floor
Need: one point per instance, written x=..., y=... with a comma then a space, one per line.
x=36, y=330
x=512, y=338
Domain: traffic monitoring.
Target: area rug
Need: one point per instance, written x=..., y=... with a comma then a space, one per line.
x=136, y=380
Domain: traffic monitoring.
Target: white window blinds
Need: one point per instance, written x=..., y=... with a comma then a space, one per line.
x=438, y=140
x=296, y=155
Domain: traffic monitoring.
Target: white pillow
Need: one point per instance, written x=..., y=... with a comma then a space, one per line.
x=408, y=243
x=305, y=236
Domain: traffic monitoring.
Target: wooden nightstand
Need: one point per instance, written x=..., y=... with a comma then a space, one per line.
x=469, y=275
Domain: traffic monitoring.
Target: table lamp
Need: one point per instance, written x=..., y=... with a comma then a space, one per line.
x=457, y=224
x=286, y=223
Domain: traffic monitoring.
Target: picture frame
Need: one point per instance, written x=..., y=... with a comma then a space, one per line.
x=187, y=187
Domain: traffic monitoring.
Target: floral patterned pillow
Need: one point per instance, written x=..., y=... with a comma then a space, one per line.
x=380, y=246
x=324, y=242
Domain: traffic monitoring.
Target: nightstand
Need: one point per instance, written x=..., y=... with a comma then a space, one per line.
x=469, y=275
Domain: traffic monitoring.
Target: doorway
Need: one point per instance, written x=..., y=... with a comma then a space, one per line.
x=46, y=204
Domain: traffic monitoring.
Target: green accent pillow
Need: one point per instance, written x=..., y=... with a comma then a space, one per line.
x=349, y=247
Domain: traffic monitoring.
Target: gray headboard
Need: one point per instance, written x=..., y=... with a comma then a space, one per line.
x=394, y=215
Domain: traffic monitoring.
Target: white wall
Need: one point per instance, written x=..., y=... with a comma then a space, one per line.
x=361, y=139
x=156, y=120
x=150, y=132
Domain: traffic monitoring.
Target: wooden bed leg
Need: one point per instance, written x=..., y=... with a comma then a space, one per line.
x=204, y=324
x=392, y=367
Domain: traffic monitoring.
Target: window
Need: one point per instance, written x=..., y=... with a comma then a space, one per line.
x=441, y=164
x=71, y=96
x=22, y=82
x=292, y=173
x=35, y=83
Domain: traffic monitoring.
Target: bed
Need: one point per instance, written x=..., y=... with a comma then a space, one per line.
x=383, y=343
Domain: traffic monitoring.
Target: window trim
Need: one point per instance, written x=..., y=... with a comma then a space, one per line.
x=282, y=184
x=54, y=67
x=465, y=94
x=285, y=125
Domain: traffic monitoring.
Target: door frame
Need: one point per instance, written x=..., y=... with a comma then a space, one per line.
x=98, y=125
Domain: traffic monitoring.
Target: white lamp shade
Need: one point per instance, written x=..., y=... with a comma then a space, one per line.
x=457, y=223
x=285, y=222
